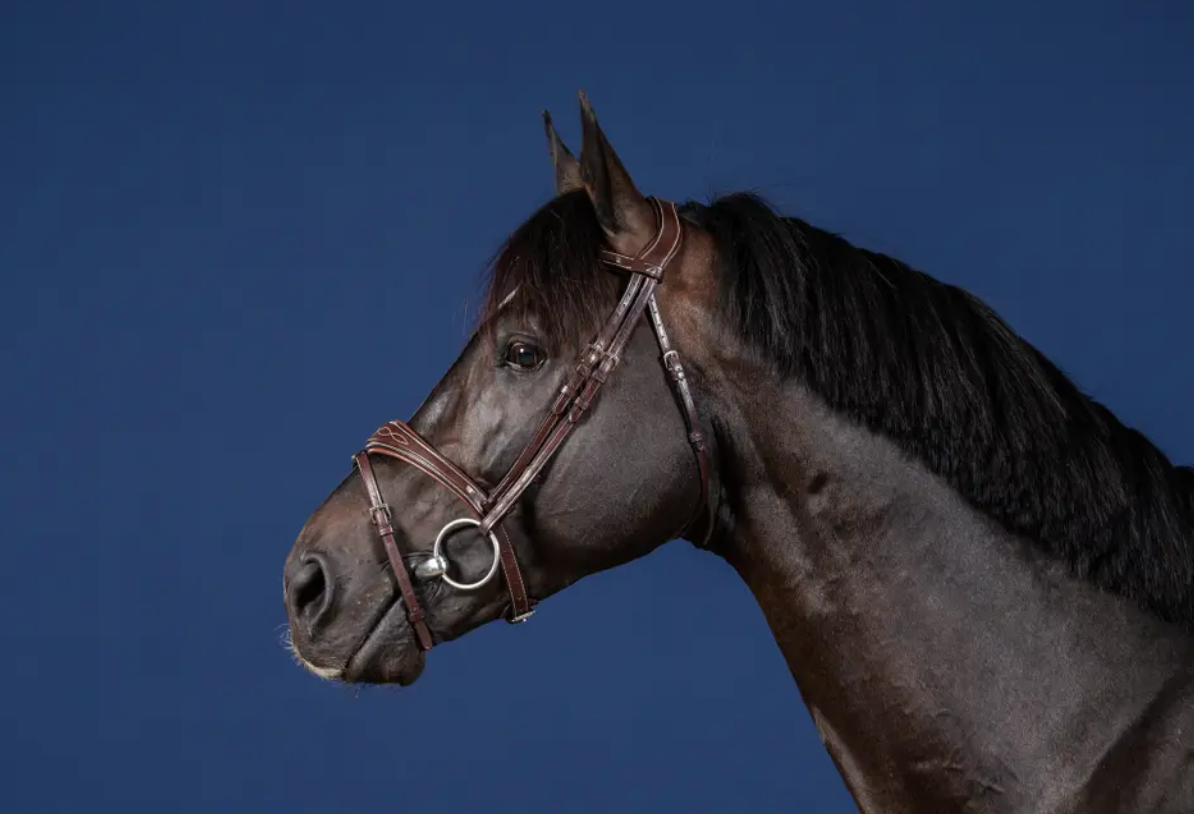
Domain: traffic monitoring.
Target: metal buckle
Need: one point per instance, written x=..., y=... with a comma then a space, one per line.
x=522, y=617
x=671, y=363
x=595, y=354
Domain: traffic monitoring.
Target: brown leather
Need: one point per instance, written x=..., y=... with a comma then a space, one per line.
x=397, y=440
x=675, y=370
x=380, y=513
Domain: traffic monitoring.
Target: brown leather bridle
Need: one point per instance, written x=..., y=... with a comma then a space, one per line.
x=397, y=440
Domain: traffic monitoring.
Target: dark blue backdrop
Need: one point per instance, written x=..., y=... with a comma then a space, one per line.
x=198, y=203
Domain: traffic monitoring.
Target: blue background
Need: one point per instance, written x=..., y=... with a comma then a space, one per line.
x=200, y=203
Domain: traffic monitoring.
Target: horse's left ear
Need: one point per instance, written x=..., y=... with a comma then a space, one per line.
x=625, y=215
x=566, y=167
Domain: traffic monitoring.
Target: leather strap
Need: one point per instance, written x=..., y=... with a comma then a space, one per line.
x=679, y=379
x=655, y=256
x=398, y=440
x=380, y=514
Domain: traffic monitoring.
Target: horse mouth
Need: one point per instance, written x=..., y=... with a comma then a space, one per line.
x=388, y=654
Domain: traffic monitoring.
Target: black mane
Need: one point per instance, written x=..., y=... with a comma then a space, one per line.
x=924, y=363
x=548, y=268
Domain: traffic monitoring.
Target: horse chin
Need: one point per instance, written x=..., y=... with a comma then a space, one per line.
x=389, y=654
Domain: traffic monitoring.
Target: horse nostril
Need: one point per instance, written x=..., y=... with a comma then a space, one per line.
x=310, y=591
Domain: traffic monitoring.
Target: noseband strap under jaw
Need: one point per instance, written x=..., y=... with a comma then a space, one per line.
x=397, y=440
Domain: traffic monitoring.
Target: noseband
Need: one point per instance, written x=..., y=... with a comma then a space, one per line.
x=397, y=440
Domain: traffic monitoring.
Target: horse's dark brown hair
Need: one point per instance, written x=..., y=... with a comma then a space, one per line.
x=548, y=268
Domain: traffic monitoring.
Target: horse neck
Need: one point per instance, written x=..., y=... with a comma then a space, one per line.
x=942, y=659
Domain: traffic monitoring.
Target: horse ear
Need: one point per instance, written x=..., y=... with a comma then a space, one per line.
x=625, y=215
x=567, y=168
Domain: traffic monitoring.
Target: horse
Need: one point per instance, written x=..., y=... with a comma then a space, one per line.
x=981, y=580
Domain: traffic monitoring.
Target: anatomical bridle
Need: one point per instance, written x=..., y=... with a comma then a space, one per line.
x=397, y=440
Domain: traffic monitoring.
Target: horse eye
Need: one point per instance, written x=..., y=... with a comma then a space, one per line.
x=523, y=355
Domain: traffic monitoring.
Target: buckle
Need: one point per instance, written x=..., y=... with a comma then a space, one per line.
x=382, y=509
x=671, y=363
